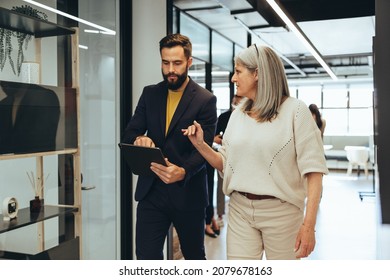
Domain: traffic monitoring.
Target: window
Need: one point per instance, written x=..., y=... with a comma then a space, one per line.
x=309, y=95
x=335, y=97
x=197, y=72
x=221, y=89
x=360, y=97
x=346, y=111
x=222, y=52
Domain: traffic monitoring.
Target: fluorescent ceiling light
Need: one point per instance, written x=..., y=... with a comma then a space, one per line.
x=94, y=31
x=91, y=31
x=280, y=54
x=83, y=47
x=297, y=31
x=106, y=30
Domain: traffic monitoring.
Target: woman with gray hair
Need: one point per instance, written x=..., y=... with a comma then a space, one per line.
x=272, y=161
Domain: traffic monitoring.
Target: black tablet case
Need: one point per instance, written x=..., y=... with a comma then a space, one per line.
x=139, y=158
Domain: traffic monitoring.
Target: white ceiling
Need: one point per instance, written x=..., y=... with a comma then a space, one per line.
x=342, y=36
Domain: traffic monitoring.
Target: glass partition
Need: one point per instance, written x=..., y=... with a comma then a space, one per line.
x=197, y=72
x=221, y=89
x=199, y=36
x=237, y=49
x=222, y=51
x=36, y=118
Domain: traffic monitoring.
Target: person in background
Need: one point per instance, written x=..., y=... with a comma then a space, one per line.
x=272, y=160
x=178, y=193
x=321, y=123
x=223, y=120
x=212, y=225
x=212, y=228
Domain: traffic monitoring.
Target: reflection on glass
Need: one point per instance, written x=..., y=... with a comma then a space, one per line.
x=222, y=52
x=220, y=88
x=34, y=118
x=199, y=35
x=197, y=72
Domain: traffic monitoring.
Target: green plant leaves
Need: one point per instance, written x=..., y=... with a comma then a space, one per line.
x=6, y=36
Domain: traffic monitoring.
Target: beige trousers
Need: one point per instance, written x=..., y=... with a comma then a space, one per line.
x=267, y=226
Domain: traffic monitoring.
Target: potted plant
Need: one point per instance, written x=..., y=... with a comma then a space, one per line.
x=23, y=39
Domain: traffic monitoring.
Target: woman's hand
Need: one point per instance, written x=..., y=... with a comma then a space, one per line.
x=305, y=241
x=195, y=134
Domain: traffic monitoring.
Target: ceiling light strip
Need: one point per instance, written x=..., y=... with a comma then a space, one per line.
x=298, y=32
x=300, y=71
x=109, y=31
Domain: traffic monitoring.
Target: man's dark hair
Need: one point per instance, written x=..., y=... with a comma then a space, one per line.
x=173, y=40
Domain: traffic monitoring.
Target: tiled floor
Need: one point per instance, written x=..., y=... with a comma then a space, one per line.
x=346, y=226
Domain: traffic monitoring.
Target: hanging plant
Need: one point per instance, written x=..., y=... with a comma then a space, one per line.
x=23, y=39
x=6, y=48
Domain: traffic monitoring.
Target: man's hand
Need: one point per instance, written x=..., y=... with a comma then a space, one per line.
x=144, y=140
x=168, y=174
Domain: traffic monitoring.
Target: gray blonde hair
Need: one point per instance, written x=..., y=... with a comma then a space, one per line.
x=272, y=82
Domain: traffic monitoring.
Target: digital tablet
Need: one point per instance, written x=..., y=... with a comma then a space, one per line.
x=139, y=158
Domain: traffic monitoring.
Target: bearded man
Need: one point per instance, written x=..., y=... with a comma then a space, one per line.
x=177, y=194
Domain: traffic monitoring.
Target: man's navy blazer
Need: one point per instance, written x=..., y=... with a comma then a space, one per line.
x=149, y=117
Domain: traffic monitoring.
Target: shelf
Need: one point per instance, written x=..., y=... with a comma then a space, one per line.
x=40, y=154
x=62, y=102
x=26, y=218
x=26, y=24
x=66, y=250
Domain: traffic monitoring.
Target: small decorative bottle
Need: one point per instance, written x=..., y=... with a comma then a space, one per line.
x=36, y=205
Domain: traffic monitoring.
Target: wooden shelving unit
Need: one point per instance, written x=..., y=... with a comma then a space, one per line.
x=68, y=213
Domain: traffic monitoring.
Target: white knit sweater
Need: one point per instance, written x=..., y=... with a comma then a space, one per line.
x=272, y=157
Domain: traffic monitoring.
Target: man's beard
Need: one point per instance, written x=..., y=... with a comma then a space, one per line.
x=178, y=83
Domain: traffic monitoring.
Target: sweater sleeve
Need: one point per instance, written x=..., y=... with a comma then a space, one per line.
x=308, y=141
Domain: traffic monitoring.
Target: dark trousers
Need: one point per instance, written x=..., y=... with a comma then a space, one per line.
x=210, y=189
x=155, y=214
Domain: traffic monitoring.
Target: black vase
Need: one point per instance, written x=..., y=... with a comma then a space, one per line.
x=36, y=205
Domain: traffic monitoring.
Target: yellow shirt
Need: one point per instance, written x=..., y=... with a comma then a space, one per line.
x=172, y=102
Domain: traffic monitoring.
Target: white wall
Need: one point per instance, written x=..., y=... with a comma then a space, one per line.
x=149, y=26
